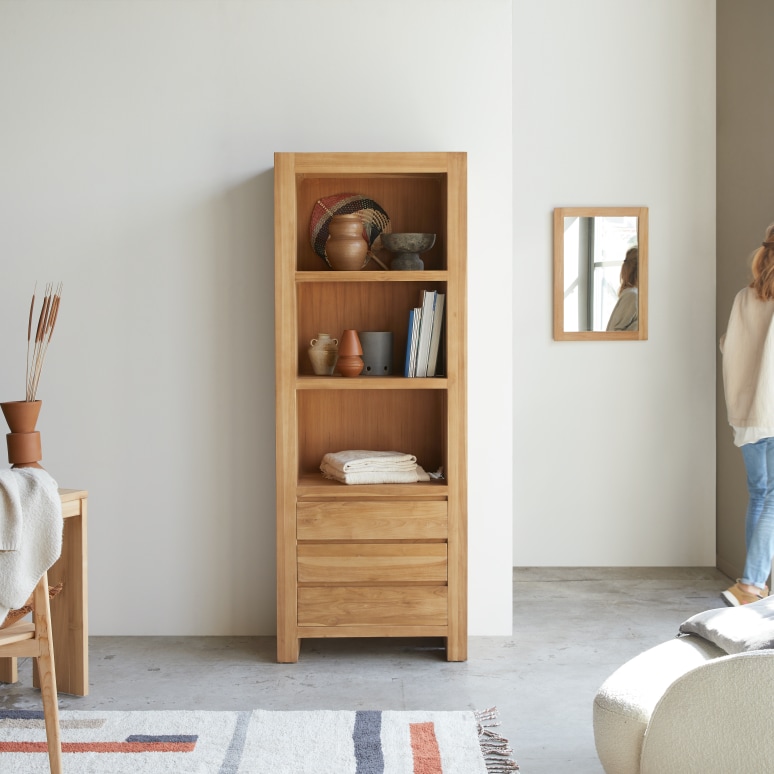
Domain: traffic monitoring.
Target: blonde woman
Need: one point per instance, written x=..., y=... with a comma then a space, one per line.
x=624, y=316
x=748, y=381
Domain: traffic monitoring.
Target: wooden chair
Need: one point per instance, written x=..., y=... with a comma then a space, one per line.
x=33, y=639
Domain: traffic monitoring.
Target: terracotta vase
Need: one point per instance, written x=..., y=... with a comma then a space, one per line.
x=323, y=352
x=24, y=449
x=350, y=363
x=346, y=248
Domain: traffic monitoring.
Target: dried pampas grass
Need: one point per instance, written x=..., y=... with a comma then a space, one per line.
x=37, y=346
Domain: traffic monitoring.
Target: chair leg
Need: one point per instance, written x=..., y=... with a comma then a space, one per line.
x=47, y=677
x=50, y=712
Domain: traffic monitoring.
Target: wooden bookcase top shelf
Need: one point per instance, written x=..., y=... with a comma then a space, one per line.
x=371, y=276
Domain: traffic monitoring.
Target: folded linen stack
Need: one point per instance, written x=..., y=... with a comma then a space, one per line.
x=358, y=466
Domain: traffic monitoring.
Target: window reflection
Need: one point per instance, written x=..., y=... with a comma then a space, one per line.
x=594, y=251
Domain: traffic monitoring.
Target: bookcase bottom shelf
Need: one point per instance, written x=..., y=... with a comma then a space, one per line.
x=289, y=649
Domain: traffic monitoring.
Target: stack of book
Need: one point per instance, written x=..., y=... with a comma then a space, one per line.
x=424, y=335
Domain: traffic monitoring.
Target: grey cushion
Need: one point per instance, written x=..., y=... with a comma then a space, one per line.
x=736, y=629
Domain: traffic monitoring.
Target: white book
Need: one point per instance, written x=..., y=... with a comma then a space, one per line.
x=425, y=331
x=435, y=336
x=412, y=368
x=407, y=363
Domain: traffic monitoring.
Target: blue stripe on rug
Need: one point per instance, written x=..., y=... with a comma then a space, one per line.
x=21, y=714
x=146, y=738
x=367, y=738
x=236, y=746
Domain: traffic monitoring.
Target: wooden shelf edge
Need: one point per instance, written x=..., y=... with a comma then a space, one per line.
x=372, y=630
x=72, y=494
x=372, y=276
x=319, y=488
x=364, y=163
x=371, y=383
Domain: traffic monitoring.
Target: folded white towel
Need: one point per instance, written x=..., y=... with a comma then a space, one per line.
x=355, y=460
x=39, y=542
x=376, y=476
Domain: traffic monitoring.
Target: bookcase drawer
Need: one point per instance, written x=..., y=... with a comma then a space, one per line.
x=364, y=562
x=372, y=520
x=363, y=606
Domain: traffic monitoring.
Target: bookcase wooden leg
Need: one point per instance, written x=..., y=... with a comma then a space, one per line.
x=288, y=649
x=456, y=649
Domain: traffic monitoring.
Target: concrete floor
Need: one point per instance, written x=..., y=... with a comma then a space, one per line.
x=572, y=628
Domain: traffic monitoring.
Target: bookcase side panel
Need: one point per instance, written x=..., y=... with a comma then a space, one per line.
x=286, y=435
x=456, y=443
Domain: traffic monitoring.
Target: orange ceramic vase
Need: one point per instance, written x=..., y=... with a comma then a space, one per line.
x=350, y=363
x=346, y=247
x=24, y=449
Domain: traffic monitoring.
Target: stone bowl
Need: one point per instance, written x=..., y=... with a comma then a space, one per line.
x=408, y=243
x=407, y=248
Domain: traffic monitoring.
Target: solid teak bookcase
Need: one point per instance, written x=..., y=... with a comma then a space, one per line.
x=386, y=560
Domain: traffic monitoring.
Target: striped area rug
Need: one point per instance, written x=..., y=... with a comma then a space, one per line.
x=259, y=742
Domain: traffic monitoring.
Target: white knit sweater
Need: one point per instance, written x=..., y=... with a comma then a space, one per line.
x=748, y=367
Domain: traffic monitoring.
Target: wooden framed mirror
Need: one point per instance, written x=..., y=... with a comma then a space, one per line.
x=600, y=273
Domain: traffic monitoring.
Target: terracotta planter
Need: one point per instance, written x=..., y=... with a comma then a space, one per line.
x=350, y=363
x=24, y=449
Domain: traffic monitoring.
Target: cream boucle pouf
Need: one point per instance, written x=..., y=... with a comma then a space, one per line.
x=626, y=700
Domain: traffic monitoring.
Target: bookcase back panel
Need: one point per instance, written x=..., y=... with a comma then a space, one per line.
x=414, y=204
x=333, y=307
x=410, y=421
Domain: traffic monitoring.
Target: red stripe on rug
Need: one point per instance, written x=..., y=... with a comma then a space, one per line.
x=100, y=747
x=424, y=745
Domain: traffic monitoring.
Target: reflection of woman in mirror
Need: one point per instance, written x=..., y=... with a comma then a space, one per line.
x=624, y=314
x=748, y=380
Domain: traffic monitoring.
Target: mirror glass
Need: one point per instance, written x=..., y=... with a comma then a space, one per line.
x=600, y=273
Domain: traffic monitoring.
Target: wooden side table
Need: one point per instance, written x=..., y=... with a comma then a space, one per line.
x=69, y=610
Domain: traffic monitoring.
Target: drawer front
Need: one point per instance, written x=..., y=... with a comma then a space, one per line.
x=372, y=521
x=357, y=606
x=363, y=562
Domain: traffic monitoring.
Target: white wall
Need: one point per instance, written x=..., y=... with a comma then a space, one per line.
x=614, y=104
x=136, y=156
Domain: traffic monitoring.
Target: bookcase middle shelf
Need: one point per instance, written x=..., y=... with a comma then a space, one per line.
x=371, y=383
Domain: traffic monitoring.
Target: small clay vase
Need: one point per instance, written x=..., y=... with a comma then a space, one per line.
x=346, y=248
x=24, y=449
x=350, y=363
x=323, y=352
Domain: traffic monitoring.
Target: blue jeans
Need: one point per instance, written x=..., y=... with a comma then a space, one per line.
x=759, y=525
